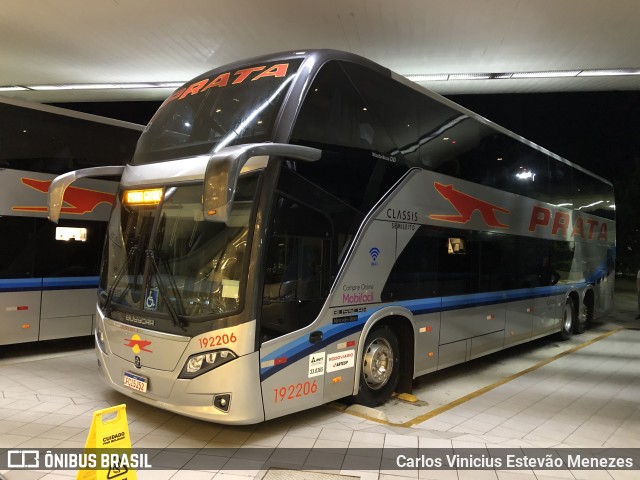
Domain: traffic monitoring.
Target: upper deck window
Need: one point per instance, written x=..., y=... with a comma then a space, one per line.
x=221, y=108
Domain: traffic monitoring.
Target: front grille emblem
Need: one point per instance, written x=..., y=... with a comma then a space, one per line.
x=137, y=361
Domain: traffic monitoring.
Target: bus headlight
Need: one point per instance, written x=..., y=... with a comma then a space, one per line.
x=100, y=341
x=203, y=362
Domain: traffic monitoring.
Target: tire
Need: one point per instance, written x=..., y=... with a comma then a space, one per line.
x=379, y=368
x=581, y=321
x=568, y=320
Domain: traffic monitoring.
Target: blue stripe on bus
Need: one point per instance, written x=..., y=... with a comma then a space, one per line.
x=301, y=347
x=59, y=283
x=54, y=283
x=20, y=284
x=493, y=298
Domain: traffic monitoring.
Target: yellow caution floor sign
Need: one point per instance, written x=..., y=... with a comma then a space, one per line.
x=108, y=435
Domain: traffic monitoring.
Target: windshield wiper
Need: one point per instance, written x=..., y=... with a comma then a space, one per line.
x=107, y=303
x=172, y=311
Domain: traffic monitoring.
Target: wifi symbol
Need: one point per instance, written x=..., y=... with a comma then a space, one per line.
x=374, y=252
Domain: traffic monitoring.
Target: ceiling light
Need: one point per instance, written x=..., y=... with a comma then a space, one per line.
x=556, y=74
x=606, y=73
x=97, y=86
x=12, y=88
x=515, y=75
x=469, y=76
x=168, y=84
x=70, y=87
x=427, y=77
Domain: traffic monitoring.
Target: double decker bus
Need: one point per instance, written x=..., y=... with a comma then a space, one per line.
x=303, y=227
x=49, y=273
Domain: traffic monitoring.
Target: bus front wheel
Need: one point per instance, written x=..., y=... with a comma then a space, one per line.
x=379, y=368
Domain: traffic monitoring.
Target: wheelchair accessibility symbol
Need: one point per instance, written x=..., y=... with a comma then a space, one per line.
x=151, y=300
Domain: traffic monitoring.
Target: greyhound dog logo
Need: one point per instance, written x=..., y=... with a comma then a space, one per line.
x=79, y=200
x=465, y=205
x=137, y=344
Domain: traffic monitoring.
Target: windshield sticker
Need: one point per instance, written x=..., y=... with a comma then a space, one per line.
x=341, y=360
x=316, y=364
x=151, y=300
x=230, y=289
x=277, y=71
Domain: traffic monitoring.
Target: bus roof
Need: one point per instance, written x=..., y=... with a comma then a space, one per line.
x=314, y=59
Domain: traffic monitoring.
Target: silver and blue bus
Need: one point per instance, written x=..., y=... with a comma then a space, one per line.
x=49, y=273
x=308, y=226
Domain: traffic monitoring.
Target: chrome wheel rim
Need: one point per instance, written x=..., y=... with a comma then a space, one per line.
x=568, y=318
x=377, y=363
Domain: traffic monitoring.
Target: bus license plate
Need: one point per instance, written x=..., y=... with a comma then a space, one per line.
x=135, y=382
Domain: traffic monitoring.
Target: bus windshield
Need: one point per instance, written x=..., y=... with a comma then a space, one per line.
x=216, y=110
x=167, y=259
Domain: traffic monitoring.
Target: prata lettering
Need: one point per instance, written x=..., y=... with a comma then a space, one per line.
x=222, y=80
x=403, y=215
x=561, y=225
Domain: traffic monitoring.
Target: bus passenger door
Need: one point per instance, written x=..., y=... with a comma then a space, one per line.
x=296, y=283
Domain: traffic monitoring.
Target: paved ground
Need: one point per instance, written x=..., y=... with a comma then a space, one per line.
x=586, y=395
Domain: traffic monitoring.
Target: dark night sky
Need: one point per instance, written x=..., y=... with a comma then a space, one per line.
x=597, y=130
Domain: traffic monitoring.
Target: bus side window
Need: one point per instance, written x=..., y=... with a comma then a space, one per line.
x=415, y=272
x=296, y=274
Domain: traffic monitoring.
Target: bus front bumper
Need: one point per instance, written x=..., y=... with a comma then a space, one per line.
x=229, y=394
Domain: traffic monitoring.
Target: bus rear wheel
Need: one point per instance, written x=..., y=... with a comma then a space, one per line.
x=585, y=317
x=379, y=368
x=568, y=320
x=581, y=321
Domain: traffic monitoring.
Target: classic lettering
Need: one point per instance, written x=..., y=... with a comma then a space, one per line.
x=402, y=215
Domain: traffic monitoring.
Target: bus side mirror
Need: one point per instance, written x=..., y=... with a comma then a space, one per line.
x=224, y=167
x=59, y=185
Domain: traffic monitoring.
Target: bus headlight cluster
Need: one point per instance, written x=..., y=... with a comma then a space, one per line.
x=100, y=341
x=203, y=362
